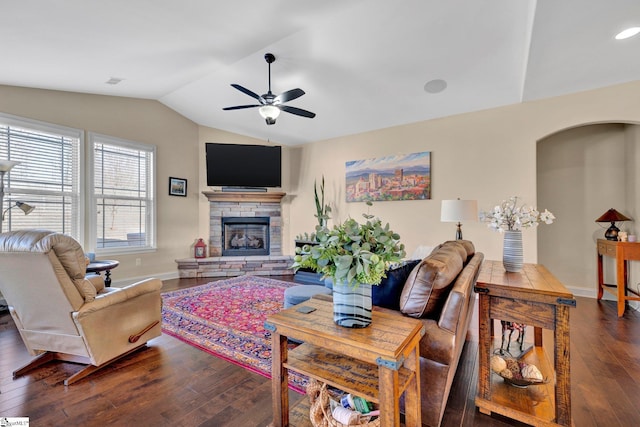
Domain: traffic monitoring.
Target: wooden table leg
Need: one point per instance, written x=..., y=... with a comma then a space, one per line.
x=279, y=380
x=389, y=397
x=622, y=284
x=484, y=348
x=600, y=277
x=413, y=410
x=537, y=336
x=562, y=357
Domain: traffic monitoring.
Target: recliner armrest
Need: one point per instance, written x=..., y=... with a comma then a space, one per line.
x=97, y=281
x=120, y=295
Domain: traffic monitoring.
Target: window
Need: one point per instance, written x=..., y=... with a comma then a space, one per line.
x=48, y=176
x=122, y=195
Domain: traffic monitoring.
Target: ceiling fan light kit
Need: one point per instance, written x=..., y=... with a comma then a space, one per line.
x=270, y=104
x=270, y=113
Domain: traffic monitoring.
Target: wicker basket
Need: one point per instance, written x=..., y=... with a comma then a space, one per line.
x=320, y=414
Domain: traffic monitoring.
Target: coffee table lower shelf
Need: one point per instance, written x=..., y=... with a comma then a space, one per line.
x=533, y=405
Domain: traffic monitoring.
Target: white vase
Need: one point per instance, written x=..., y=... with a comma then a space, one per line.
x=512, y=253
x=352, y=305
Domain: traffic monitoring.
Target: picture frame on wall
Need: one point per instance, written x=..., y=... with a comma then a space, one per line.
x=390, y=178
x=177, y=187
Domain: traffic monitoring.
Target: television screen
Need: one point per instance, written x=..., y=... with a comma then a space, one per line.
x=238, y=165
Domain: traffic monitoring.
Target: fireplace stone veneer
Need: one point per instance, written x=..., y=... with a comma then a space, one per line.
x=248, y=205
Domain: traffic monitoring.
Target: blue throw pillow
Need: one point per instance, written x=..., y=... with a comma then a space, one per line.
x=387, y=293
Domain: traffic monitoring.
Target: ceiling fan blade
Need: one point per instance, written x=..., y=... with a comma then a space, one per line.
x=289, y=95
x=297, y=111
x=248, y=92
x=240, y=107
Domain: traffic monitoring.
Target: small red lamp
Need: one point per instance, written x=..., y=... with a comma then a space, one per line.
x=612, y=216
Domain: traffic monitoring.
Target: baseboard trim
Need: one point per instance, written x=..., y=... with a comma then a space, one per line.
x=593, y=293
x=131, y=280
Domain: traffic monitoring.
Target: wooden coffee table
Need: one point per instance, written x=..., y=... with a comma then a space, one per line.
x=378, y=362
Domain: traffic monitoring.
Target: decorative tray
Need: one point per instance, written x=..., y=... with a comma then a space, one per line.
x=523, y=382
x=516, y=372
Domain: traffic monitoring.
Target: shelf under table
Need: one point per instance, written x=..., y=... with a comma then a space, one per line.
x=343, y=372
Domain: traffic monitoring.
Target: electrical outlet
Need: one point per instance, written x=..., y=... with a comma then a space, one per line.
x=138, y=262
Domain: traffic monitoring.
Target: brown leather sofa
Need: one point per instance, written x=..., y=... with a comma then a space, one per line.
x=63, y=315
x=439, y=291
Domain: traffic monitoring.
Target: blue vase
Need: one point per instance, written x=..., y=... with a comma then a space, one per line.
x=512, y=253
x=352, y=305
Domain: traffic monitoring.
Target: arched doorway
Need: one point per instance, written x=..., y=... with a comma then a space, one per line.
x=582, y=172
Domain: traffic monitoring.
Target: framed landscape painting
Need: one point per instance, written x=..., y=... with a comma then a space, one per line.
x=400, y=177
x=177, y=187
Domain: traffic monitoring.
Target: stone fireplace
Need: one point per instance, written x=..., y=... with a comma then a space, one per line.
x=246, y=206
x=245, y=237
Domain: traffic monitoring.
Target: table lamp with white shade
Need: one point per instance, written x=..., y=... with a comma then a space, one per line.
x=458, y=211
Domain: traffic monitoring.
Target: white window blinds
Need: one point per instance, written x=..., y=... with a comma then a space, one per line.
x=48, y=176
x=123, y=194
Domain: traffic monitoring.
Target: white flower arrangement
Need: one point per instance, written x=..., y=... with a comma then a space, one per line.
x=508, y=216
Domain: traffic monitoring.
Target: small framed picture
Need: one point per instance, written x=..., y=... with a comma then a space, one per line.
x=177, y=187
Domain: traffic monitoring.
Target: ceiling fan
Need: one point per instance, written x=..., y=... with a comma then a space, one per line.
x=270, y=104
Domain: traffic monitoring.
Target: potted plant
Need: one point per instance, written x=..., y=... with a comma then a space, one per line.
x=355, y=256
x=322, y=210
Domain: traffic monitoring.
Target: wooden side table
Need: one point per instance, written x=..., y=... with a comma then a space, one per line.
x=105, y=265
x=533, y=297
x=378, y=362
x=623, y=252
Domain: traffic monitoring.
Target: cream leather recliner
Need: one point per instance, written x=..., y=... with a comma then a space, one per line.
x=61, y=315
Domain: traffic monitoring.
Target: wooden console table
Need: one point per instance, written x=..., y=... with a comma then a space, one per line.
x=348, y=359
x=623, y=252
x=536, y=298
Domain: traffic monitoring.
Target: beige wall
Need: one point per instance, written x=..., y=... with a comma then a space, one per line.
x=487, y=155
x=138, y=120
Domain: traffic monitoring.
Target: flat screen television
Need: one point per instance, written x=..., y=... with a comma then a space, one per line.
x=240, y=165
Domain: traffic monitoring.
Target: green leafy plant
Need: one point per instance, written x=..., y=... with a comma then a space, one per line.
x=352, y=252
x=322, y=210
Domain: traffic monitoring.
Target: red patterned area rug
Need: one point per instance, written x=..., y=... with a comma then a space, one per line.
x=226, y=319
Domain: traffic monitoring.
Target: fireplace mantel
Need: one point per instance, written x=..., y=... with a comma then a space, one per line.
x=239, y=196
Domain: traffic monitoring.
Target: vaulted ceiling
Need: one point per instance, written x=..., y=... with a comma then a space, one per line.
x=364, y=64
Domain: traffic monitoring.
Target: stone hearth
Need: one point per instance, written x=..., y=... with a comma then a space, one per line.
x=237, y=205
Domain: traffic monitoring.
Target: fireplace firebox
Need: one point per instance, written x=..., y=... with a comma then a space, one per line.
x=242, y=236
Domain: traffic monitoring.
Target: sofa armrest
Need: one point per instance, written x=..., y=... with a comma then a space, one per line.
x=437, y=344
x=118, y=296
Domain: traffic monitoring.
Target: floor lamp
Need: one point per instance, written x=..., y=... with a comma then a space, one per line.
x=5, y=166
x=457, y=211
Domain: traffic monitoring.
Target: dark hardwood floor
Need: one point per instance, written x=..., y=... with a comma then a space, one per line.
x=172, y=383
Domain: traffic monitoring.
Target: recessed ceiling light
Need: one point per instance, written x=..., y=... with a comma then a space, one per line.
x=114, y=81
x=629, y=32
x=435, y=86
